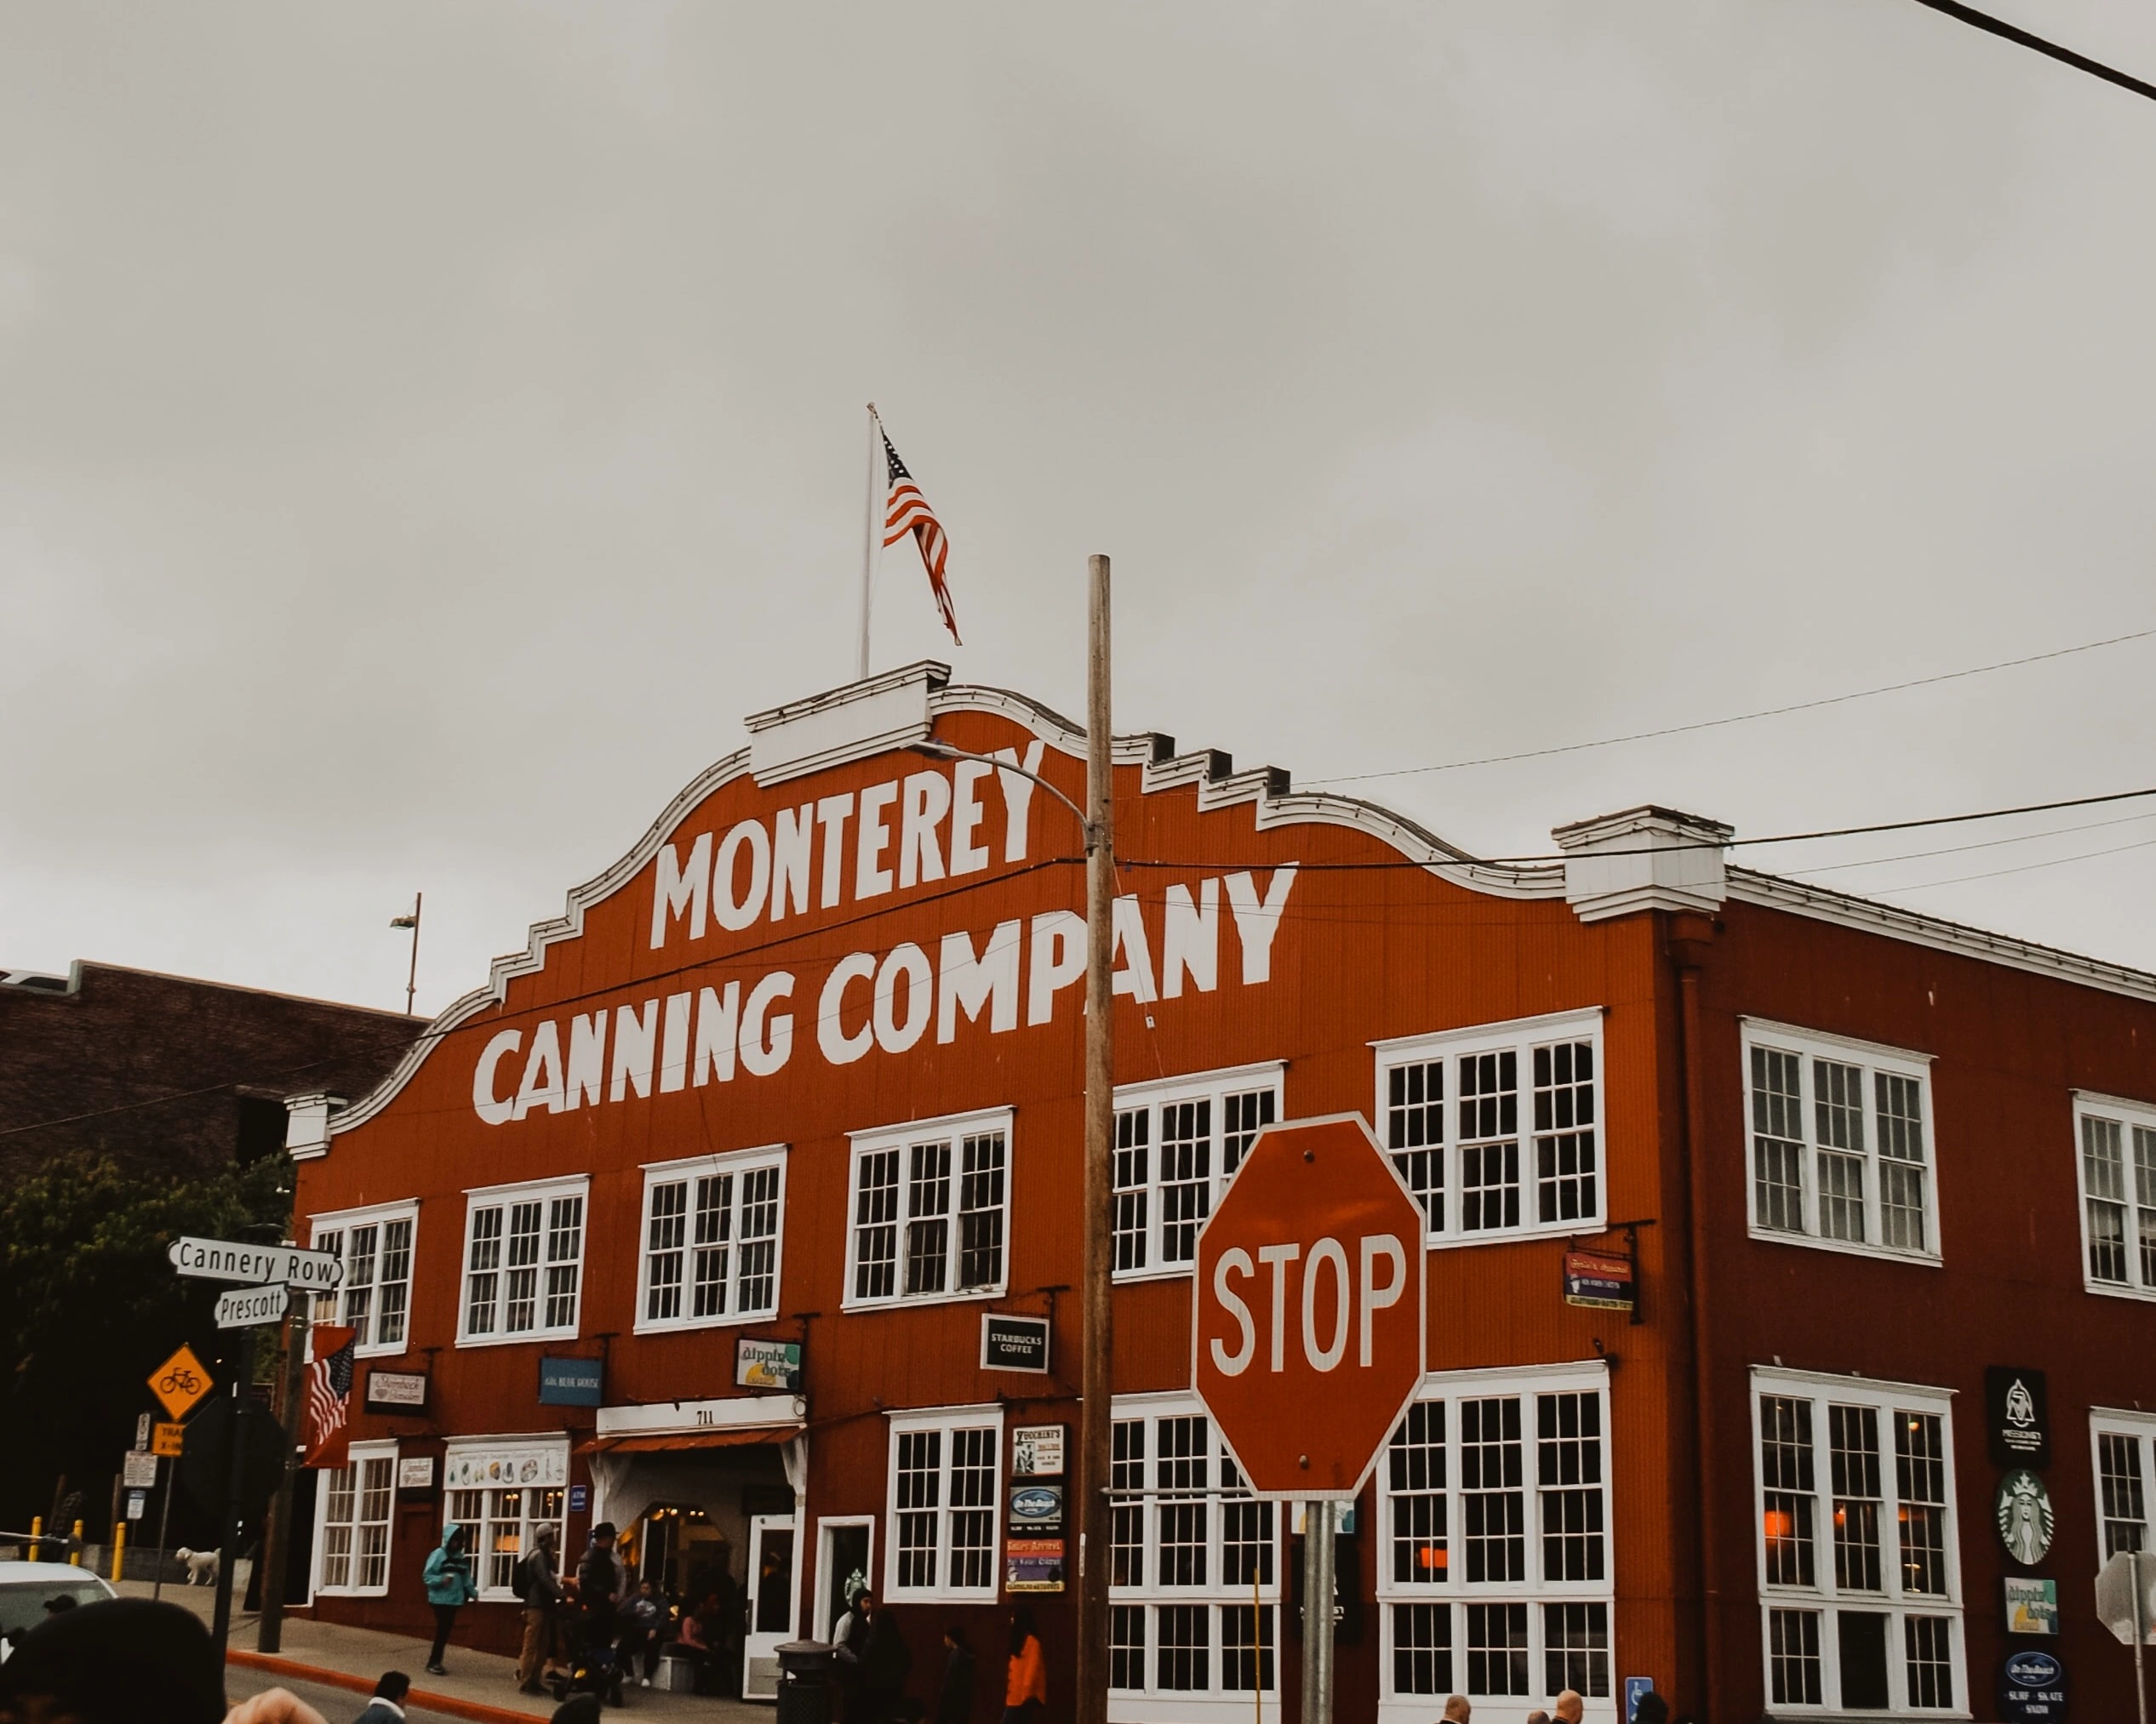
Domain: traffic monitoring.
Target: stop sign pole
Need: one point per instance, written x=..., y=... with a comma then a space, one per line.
x=1308, y=1335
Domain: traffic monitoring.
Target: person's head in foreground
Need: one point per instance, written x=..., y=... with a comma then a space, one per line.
x=1651, y=1709
x=1569, y=1707
x=1456, y=1709
x=394, y=1688
x=94, y=1666
x=1538, y=1717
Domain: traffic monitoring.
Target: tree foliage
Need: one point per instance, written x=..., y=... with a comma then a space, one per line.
x=90, y=1304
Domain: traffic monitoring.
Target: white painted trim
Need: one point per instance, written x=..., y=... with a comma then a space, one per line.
x=722, y=1413
x=1151, y=1096
x=714, y=1159
x=490, y=1196
x=372, y=1449
x=2096, y=1098
x=2118, y=1422
x=343, y=1221
x=1919, y=1064
x=520, y=1188
x=949, y=1125
x=1773, y=892
x=853, y=722
x=1849, y=1380
x=1544, y=1023
x=980, y=1416
x=954, y=1127
x=1235, y=1077
x=2130, y=1117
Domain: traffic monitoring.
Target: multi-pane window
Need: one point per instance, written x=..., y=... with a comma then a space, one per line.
x=2126, y=1452
x=502, y=1525
x=523, y=1263
x=1841, y=1142
x=1494, y=1572
x=1194, y=1560
x=944, y=1472
x=711, y=1240
x=1497, y=1130
x=1876, y=1626
x=2117, y=1161
x=1177, y=1144
x=352, y=1541
x=376, y=1296
x=930, y=1206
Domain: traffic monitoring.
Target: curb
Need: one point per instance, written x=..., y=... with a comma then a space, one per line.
x=476, y=1711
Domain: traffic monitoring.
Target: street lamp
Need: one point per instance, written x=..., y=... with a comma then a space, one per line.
x=1096, y=1384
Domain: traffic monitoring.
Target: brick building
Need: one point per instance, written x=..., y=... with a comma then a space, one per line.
x=804, y=1071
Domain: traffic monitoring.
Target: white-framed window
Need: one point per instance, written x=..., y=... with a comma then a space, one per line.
x=1178, y=1142
x=2116, y=1142
x=712, y=1227
x=1496, y=1578
x=1497, y=1128
x=351, y=1522
x=376, y=1296
x=945, y=1481
x=501, y=1490
x=1860, y=1571
x=1841, y=1142
x=929, y=1208
x=523, y=1262
x=2123, y=1446
x=1193, y=1567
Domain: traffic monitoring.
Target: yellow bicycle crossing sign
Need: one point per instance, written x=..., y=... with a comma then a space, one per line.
x=181, y=1381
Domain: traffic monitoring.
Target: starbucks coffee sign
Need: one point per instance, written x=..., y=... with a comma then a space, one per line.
x=2023, y=1512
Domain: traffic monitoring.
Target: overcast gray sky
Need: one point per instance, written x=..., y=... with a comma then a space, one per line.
x=426, y=429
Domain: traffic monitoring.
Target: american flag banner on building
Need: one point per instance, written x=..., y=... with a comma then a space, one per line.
x=328, y=1400
x=907, y=511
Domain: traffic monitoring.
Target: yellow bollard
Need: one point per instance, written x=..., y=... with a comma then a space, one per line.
x=75, y=1546
x=37, y=1537
x=119, y=1550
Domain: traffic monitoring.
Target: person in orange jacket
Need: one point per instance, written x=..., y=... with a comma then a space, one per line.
x=1026, y=1685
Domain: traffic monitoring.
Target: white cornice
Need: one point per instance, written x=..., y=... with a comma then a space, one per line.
x=1773, y=892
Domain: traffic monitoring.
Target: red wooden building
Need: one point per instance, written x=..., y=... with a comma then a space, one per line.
x=805, y=1067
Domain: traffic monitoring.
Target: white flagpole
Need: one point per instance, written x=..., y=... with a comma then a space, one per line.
x=871, y=536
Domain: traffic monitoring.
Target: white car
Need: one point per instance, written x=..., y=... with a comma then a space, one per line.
x=26, y=1587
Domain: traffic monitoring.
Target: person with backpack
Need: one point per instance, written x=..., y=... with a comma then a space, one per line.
x=537, y=1580
x=448, y=1576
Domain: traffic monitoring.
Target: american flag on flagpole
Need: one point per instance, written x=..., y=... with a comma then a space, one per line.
x=907, y=511
x=328, y=1399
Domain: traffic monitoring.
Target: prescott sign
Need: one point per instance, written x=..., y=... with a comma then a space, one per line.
x=1309, y=1309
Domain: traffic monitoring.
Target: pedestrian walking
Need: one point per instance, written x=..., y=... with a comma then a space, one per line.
x=885, y=1662
x=851, y=1640
x=1026, y=1678
x=538, y=1578
x=387, y=1707
x=448, y=1576
x=954, y=1701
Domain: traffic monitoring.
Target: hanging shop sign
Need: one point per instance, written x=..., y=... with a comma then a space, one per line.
x=523, y=1463
x=2023, y=1514
x=2032, y=1605
x=2032, y=1688
x=1013, y=1343
x=415, y=1472
x=570, y=1382
x=2017, y=1415
x=1036, y=1510
x=1600, y=1280
x=1033, y=1565
x=767, y=1364
x=397, y=1392
x=1036, y=1452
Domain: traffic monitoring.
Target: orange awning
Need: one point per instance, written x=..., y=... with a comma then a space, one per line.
x=666, y=1443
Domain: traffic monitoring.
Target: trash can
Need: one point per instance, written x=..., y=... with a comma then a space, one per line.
x=807, y=1690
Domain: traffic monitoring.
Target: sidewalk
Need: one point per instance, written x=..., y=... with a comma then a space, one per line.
x=481, y=1685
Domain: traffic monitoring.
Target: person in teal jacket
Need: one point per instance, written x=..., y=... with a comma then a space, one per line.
x=447, y=1575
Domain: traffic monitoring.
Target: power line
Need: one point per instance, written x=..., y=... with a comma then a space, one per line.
x=2014, y=33
x=1738, y=717
x=1981, y=844
x=2021, y=868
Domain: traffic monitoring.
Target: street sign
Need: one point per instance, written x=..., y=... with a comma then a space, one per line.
x=178, y=1382
x=138, y=1470
x=222, y=1259
x=244, y=1308
x=166, y=1441
x=1309, y=1309
x=134, y=1505
x=142, y=1431
x=2115, y=1596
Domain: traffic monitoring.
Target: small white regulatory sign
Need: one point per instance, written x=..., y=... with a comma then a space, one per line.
x=247, y=1307
x=221, y=1260
x=138, y=1470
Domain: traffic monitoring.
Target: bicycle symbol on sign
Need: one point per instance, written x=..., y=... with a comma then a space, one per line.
x=179, y=1380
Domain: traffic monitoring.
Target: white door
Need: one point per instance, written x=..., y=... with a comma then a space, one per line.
x=771, y=1600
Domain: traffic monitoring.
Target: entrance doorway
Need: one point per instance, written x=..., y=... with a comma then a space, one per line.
x=771, y=1599
x=845, y=1551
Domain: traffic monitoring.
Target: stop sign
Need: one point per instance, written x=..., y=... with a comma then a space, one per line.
x=1309, y=1308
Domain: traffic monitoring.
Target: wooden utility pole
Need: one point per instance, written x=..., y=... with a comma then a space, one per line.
x=277, y=1526
x=1096, y=1412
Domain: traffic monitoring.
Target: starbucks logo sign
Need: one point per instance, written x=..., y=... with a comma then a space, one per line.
x=2024, y=1515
